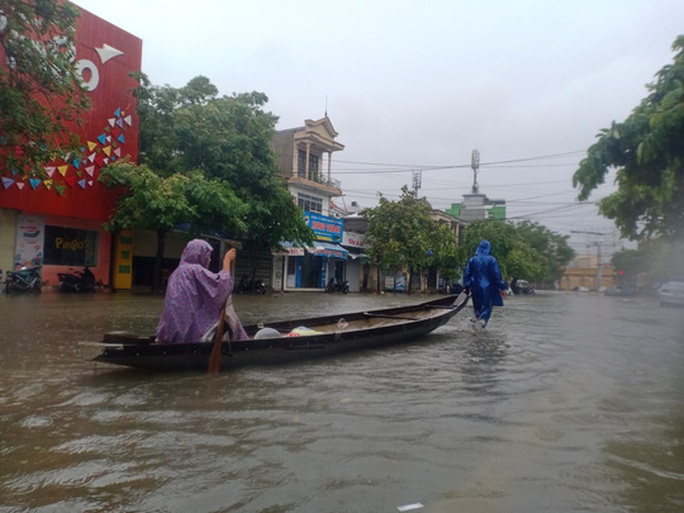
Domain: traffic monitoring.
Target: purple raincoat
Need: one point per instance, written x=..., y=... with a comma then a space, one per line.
x=194, y=297
x=483, y=277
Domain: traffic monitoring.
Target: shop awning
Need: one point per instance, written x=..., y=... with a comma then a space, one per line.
x=329, y=250
x=287, y=248
x=320, y=248
x=356, y=253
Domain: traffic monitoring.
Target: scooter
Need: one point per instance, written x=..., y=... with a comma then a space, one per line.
x=337, y=286
x=26, y=279
x=80, y=281
x=247, y=286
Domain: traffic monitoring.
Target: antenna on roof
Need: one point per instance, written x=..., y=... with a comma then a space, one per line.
x=475, y=164
x=326, y=105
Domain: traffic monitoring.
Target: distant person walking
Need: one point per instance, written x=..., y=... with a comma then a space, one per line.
x=483, y=280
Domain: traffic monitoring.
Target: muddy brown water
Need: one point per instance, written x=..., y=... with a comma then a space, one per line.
x=569, y=402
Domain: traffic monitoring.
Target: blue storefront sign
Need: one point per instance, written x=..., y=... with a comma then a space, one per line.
x=325, y=227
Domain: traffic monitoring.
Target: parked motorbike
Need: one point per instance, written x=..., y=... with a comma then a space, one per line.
x=337, y=286
x=247, y=286
x=79, y=281
x=26, y=279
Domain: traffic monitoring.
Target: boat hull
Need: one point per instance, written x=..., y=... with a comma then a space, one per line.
x=331, y=335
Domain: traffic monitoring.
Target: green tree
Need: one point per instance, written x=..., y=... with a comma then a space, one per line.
x=227, y=138
x=654, y=261
x=647, y=151
x=41, y=93
x=443, y=251
x=526, y=250
x=552, y=248
x=627, y=265
x=161, y=204
x=403, y=234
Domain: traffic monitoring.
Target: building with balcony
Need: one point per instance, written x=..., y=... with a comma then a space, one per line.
x=305, y=159
x=304, y=156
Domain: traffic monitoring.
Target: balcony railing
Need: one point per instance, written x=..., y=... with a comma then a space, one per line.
x=323, y=180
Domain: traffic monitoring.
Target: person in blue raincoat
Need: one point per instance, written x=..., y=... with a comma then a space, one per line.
x=482, y=278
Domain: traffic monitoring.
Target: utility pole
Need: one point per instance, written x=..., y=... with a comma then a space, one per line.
x=417, y=181
x=599, y=264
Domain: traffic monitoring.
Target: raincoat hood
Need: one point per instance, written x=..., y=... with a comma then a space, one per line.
x=198, y=252
x=484, y=248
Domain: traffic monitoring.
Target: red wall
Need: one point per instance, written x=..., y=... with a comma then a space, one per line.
x=110, y=131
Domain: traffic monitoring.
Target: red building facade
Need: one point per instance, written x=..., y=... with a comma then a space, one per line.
x=57, y=221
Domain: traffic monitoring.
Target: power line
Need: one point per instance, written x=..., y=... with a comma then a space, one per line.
x=388, y=168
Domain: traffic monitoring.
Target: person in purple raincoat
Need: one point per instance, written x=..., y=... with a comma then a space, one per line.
x=482, y=278
x=195, y=296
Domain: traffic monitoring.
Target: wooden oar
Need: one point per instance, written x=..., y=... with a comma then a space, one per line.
x=215, y=358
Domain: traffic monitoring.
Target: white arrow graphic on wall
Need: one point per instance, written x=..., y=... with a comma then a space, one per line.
x=107, y=52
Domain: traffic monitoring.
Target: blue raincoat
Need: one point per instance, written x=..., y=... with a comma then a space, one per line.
x=483, y=278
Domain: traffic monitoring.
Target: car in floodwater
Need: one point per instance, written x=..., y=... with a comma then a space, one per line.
x=672, y=292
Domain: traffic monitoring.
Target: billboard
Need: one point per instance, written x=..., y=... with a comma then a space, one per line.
x=105, y=56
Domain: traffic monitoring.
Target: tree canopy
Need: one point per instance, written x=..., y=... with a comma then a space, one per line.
x=647, y=152
x=225, y=139
x=206, y=165
x=526, y=250
x=41, y=93
x=655, y=261
x=403, y=233
x=161, y=204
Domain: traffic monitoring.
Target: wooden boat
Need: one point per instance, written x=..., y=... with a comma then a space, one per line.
x=284, y=341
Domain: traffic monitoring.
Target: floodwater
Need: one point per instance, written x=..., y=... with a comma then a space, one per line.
x=569, y=402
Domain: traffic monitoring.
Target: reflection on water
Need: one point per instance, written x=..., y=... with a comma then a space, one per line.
x=567, y=403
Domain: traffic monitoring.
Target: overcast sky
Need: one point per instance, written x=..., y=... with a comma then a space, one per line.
x=417, y=85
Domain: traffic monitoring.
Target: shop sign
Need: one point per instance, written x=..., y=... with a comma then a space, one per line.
x=325, y=227
x=30, y=241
